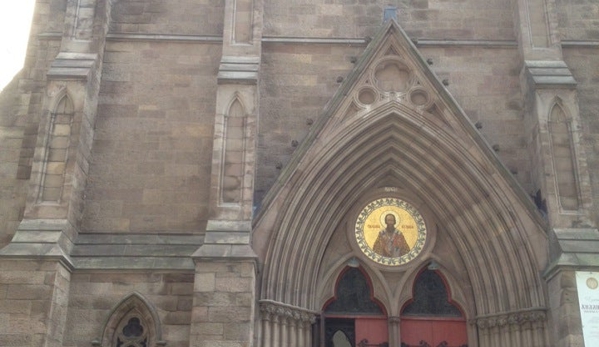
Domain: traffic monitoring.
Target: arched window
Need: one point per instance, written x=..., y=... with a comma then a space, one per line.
x=132, y=323
x=131, y=332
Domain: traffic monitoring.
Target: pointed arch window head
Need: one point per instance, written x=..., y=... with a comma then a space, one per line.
x=64, y=106
x=431, y=297
x=133, y=322
x=353, y=295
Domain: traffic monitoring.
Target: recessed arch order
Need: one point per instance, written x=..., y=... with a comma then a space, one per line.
x=492, y=226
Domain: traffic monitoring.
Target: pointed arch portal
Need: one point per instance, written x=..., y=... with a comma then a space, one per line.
x=417, y=145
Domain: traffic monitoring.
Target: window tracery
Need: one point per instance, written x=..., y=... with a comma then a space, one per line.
x=131, y=333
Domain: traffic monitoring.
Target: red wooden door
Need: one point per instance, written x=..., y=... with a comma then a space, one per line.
x=373, y=330
x=433, y=331
x=431, y=318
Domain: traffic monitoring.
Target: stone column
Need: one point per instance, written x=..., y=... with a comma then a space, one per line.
x=393, y=338
x=288, y=325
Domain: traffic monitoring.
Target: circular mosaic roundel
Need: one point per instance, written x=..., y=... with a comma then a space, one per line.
x=390, y=231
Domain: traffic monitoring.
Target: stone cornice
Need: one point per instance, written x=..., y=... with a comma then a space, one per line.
x=420, y=42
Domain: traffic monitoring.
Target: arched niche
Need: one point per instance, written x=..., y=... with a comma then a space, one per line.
x=564, y=158
x=56, y=151
x=232, y=171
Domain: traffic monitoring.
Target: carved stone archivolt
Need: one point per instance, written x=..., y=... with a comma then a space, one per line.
x=376, y=130
x=518, y=318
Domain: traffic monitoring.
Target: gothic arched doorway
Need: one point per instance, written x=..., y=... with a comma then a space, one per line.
x=431, y=318
x=353, y=318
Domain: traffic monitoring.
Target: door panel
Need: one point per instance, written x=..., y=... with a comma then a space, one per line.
x=433, y=331
x=374, y=330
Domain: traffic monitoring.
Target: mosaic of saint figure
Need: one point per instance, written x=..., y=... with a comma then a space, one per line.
x=391, y=242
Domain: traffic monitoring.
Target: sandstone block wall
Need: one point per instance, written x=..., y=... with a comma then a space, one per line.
x=582, y=62
x=204, y=17
x=441, y=19
x=151, y=157
x=578, y=19
x=484, y=81
x=34, y=301
x=152, y=150
x=223, y=304
x=94, y=295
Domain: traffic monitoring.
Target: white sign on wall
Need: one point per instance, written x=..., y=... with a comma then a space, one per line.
x=588, y=298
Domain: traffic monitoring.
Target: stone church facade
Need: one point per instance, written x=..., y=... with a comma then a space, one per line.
x=217, y=173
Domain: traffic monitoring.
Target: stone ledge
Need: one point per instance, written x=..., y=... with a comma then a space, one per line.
x=37, y=251
x=577, y=249
x=41, y=239
x=228, y=237
x=238, y=70
x=224, y=251
x=141, y=239
x=133, y=263
x=135, y=252
x=72, y=66
x=549, y=74
x=228, y=226
x=110, y=250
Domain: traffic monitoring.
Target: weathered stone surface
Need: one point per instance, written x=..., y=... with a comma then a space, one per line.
x=160, y=192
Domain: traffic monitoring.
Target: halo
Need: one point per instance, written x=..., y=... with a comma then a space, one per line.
x=384, y=214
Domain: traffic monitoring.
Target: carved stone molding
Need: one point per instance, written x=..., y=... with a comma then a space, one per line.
x=281, y=312
x=516, y=318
